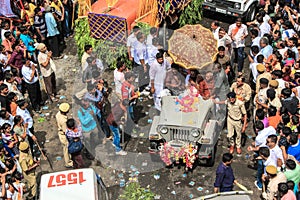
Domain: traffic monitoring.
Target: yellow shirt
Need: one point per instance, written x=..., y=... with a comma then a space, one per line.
x=30, y=13
x=57, y=6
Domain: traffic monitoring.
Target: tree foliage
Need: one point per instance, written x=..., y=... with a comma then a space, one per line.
x=192, y=14
x=134, y=191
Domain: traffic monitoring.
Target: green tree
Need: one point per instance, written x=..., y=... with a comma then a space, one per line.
x=192, y=14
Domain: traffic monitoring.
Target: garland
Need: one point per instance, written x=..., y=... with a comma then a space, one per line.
x=188, y=100
x=187, y=153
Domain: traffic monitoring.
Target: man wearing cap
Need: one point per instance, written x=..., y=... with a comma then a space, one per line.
x=261, y=97
x=262, y=73
x=28, y=166
x=48, y=69
x=274, y=179
x=235, y=116
x=242, y=89
x=61, y=119
x=274, y=85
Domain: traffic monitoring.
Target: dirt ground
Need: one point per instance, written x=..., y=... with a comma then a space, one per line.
x=172, y=183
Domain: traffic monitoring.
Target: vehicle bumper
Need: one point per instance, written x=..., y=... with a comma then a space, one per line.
x=210, y=7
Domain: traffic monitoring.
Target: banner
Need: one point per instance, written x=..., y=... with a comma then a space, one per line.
x=5, y=9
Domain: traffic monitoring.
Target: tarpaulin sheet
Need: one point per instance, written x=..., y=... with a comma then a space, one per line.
x=5, y=9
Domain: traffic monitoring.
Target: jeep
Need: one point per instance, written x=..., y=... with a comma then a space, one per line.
x=245, y=9
x=196, y=125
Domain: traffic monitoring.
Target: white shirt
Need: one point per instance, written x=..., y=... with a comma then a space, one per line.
x=224, y=40
x=118, y=79
x=14, y=196
x=140, y=52
x=268, y=162
x=149, y=39
x=12, y=87
x=10, y=120
x=131, y=40
x=158, y=74
x=26, y=72
x=255, y=41
x=216, y=33
x=50, y=68
x=276, y=153
x=281, y=83
x=237, y=41
x=151, y=51
x=287, y=34
x=264, y=28
x=262, y=135
x=3, y=57
x=282, y=51
x=25, y=114
x=3, y=32
x=252, y=66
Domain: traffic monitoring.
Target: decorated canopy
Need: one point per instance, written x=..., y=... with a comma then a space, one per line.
x=193, y=46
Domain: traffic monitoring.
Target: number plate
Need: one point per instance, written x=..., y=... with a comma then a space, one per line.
x=221, y=10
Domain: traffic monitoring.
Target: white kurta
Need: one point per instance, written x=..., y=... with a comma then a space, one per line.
x=158, y=74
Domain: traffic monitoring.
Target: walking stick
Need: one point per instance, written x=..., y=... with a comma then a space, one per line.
x=45, y=157
x=242, y=187
x=73, y=16
x=42, y=84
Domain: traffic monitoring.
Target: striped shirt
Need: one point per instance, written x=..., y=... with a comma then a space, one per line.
x=39, y=23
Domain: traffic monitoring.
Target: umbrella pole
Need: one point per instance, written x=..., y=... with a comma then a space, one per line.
x=164, y=33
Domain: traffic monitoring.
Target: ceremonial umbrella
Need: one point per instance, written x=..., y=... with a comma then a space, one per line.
x=192, y=46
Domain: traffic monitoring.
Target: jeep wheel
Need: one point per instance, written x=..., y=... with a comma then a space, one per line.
x=211, y=161
x=250, y=16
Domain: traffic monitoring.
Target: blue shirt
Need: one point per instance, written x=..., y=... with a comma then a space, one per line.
x=92, y=97
x=88, y=121
x=224, y=176
x=28, y=42
x=266, y=51
x=51, y=25
x=294, y=150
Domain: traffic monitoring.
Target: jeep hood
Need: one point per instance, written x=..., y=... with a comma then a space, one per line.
x=180, y=112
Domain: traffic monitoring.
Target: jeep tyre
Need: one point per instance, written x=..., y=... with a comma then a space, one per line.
x=250, y=16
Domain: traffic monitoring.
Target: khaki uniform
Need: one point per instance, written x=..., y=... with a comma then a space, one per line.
x=272, y=188
x=266, y=75
x=243, y=92
x=62, y=127
x=26, y=161
x=234, y=121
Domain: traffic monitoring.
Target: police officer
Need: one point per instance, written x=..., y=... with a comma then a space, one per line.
x=262, y=73
x=242, y=89
x=235, y=116
x=61, y=119
x=28, y=166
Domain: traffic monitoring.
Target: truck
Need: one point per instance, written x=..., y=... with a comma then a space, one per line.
x=245, y=9
x=187, y=121
x=77, y=184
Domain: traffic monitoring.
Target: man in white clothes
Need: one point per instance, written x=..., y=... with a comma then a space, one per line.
x=238, y=32
x=215, y=27
x=158, y=70
x=119, y=77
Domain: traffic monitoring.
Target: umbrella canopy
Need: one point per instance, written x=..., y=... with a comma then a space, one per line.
x=193, y=46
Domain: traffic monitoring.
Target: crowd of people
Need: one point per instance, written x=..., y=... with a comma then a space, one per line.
x=271, y=96
x=28, y=46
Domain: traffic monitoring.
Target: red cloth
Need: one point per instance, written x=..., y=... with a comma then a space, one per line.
x=203, y=89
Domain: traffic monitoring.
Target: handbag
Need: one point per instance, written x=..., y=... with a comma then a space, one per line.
x=74, y=146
